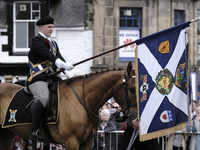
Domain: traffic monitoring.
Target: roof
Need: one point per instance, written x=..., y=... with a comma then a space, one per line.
x=68, y=13
x=3, y=14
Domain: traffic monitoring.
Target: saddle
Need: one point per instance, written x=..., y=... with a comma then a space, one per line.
x=18, y=112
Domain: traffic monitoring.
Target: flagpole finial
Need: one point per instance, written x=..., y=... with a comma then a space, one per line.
x=195, y=20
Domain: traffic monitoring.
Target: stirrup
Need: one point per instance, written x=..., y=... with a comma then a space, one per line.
x=35, y=136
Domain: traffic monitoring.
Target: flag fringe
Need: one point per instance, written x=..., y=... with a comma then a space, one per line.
x=188, y=74
x=137, y=83
x=163, y=132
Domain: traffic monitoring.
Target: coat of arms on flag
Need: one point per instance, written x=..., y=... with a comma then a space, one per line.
x=162, y=67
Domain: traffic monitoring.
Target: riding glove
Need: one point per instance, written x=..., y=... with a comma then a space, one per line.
x=68, y=74
x=61, y=64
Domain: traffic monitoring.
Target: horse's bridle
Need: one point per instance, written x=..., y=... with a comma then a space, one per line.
x=127, y=111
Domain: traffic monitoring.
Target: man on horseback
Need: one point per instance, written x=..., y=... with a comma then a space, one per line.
x=44, y=58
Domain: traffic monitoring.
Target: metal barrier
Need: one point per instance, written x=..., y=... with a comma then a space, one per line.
x=162, y=141
x=110, y=134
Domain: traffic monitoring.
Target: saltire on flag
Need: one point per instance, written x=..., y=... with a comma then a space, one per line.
x=162, y=68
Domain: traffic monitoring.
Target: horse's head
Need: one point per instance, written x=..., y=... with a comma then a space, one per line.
x=126, y=95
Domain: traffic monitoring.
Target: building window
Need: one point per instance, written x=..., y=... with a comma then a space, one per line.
x=178, y=17
x=25, y=15
x=130, y=18
x=130, y=26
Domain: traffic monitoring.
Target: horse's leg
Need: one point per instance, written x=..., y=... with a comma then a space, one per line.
x=72, y=144
x=6, y=138
x=87, y=145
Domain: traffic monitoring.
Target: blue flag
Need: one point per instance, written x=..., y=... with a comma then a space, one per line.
x=162, y=92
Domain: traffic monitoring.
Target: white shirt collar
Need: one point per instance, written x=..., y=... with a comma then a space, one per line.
x=42, y=34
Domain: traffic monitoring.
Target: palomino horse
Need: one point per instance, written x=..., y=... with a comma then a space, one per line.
x=78, y=123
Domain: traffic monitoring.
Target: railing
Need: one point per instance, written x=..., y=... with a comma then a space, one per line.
x=162, y=141
x=110, y=134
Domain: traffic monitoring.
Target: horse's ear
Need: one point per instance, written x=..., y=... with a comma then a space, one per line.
x=129, y=68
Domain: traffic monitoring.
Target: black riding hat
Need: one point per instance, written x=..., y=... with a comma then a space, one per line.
x=45, y=20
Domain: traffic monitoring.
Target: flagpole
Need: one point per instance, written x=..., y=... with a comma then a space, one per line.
x=103, y=53
x=195, y=20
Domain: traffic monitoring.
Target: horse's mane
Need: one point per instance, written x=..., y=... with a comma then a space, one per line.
x=97, y=72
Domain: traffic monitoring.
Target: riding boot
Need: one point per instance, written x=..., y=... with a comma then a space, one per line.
x=37, y=110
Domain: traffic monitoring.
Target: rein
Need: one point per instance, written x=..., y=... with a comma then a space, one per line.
x=84, y=105
x=127, y=111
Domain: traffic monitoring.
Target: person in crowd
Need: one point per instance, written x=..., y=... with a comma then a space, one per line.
x=60, y=147
x=44, y=58
x=192, y=141
x=108, y=104
x=123, y=128
x=175, y=141
x=114, y=110
x=198, y=105
x=193, y=110
x=17, y=144
x=104, y=140
x=195, y=138
x=53, y=147
x=129, y=145
x=105, y=106
x=197, y=119
x=121, y=135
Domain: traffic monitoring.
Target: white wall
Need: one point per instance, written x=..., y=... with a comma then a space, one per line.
x=4, y=56
x=75, y=45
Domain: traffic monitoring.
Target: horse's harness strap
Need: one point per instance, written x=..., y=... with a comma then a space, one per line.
x=126, y=90
x=83, y=103
x=127, y=111
x=78, y=97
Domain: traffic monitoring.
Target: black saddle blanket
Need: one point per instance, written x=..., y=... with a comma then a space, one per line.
x=17, y=114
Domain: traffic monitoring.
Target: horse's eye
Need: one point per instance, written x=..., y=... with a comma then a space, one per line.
x=132, y=90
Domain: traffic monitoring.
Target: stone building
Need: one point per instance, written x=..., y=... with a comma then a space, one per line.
x=142, y=18
x=150, y=16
